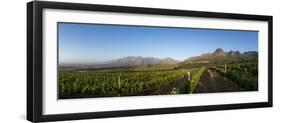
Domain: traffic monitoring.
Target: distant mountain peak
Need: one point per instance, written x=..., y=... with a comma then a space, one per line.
x=232, y=53
x=219, y=52
x=139, y=60
x=251, y=53
x=168, y=58
x=220, y=55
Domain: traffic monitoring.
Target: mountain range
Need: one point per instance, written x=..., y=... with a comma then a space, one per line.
x=138, y=60
x=219, y=55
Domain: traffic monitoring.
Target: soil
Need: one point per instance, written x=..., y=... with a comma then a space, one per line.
x=210, y=82
x=214, y=82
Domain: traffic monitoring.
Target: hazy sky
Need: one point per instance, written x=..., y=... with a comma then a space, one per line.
x=92, y=43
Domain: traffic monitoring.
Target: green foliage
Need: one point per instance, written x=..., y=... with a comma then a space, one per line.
x=244, y=75
x=102, y=84
x=195, y=78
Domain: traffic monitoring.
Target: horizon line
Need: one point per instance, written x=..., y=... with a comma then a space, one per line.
x=102, y=62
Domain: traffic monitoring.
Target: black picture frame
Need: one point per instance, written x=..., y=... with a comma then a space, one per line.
x=35, y=69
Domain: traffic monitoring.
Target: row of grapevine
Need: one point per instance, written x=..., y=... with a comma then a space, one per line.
x=195, y=78
x=102, y=84
x=243, y=67
x=244, y=75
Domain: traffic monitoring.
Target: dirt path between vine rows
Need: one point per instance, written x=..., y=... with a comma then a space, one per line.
x=214, y=82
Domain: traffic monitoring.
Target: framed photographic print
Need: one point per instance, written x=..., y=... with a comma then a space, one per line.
x=95, y=61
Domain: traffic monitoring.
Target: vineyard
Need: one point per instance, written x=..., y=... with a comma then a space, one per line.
x=75, y=84
x=84, y=84
x=244, y=75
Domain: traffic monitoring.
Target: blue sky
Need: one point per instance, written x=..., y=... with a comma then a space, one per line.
x=93, y=43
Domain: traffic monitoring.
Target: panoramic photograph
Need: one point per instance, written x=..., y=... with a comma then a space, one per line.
x=103, y=60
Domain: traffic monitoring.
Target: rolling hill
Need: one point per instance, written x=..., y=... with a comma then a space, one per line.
x=138, y=61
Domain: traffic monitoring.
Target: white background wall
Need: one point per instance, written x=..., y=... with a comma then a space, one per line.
x=13, y=61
